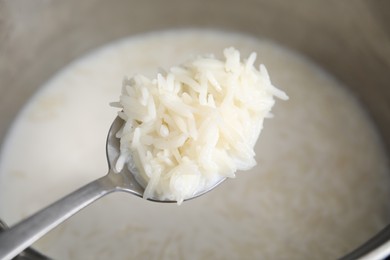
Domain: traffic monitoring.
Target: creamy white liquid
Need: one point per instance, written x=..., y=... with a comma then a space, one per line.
x=319, y=190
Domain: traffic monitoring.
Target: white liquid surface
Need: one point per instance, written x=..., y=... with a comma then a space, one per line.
x=319, y=190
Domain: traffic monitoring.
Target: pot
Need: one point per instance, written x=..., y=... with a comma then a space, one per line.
x=351, y=40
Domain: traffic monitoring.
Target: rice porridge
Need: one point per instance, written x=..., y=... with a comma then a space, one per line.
x=320, y=188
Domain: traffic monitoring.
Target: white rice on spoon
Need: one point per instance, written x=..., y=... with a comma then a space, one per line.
x=195, y=124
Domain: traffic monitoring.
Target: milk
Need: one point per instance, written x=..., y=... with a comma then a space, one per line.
x=319, y=190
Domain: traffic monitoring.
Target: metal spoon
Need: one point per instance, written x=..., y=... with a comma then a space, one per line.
x=26, y=232
x=29, y=253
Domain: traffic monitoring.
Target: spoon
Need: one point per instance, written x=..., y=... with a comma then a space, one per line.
x=17, y=238
x=28, y=253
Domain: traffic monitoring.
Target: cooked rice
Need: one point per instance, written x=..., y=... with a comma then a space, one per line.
x=194, y=124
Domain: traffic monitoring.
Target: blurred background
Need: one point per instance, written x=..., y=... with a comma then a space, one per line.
x=349, y=39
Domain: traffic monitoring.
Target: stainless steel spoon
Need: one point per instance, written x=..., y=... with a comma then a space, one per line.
x=26, y=232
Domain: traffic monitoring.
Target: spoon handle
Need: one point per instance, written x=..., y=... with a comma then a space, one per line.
x=26, y=232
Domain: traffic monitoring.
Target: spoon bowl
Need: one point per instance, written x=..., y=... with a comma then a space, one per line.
x=17, y=238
